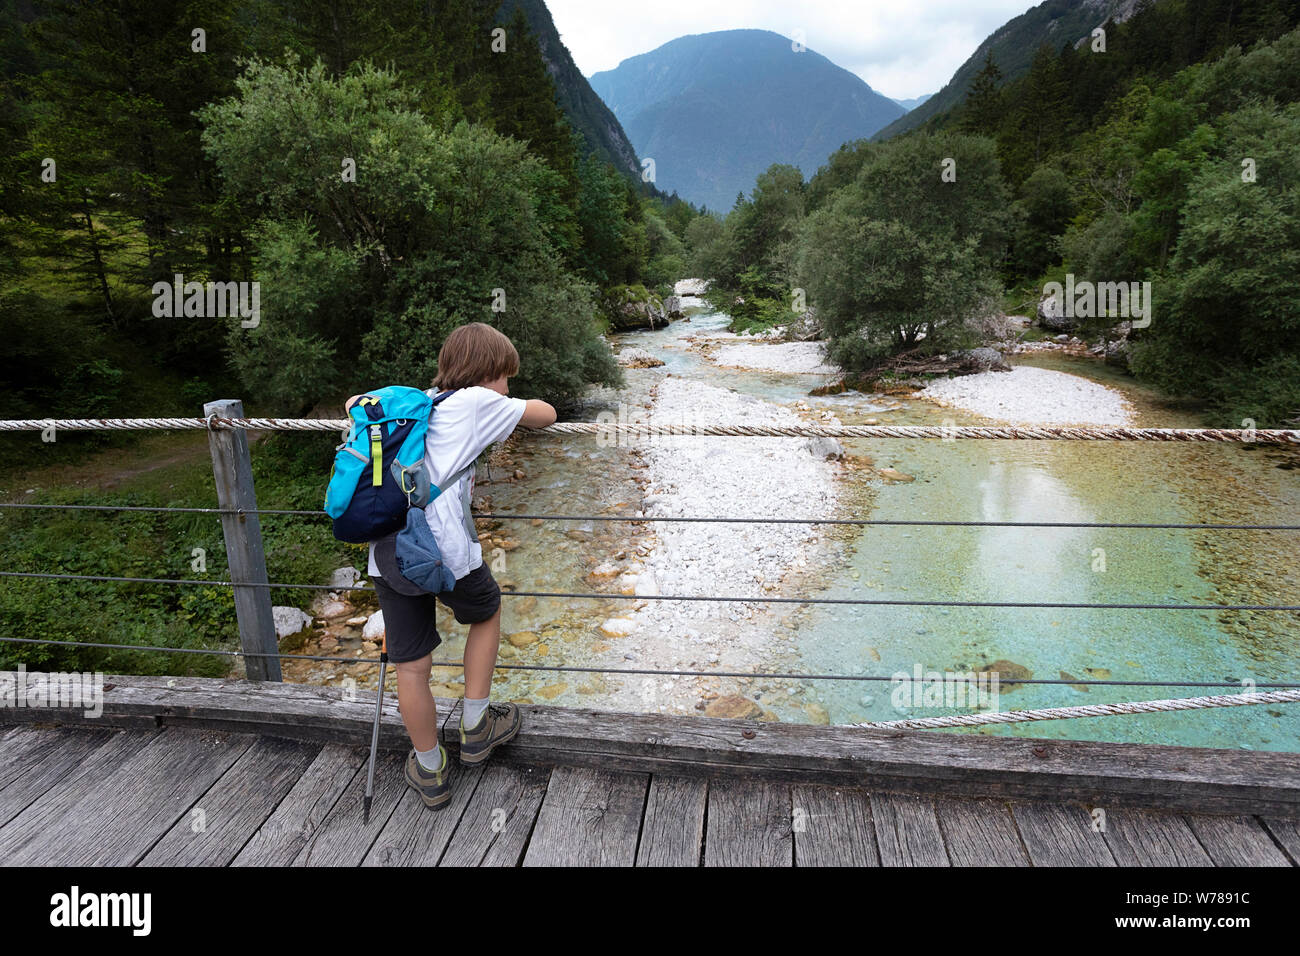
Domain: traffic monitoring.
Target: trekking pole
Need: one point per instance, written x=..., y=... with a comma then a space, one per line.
x=374, y=735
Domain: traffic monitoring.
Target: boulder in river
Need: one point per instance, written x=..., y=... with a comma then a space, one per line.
x=1051, y=315
x=982, y=359
x=805, y=327
x=825, y=448
x=638, y=358
x=631, y=307
x=289, y=620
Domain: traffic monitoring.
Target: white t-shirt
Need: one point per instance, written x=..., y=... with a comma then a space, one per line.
x=463, y=424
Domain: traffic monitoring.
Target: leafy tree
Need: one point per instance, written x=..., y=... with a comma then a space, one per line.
x=1044, y=211
x=898, y=257
x=362, y=278
x=1226, y=321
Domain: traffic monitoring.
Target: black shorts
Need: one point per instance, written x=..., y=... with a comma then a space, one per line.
x=410, y=631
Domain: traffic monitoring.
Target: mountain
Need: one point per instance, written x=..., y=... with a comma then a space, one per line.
x=1013, y=45
x=914, y=102
x=714, y=110
x=585, y=111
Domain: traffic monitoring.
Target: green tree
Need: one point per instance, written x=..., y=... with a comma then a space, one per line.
x=362, y=278
x=982, y=109
x=1226, y=320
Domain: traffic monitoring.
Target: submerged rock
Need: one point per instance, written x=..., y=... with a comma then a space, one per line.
x=733, y=707
x=1010, y=674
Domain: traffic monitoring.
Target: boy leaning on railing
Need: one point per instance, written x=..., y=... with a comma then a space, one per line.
x=476, y=362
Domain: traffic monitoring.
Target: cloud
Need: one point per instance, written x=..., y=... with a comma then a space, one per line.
x=901, y=49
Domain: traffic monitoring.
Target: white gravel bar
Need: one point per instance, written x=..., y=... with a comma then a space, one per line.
x=795, y=357
x=1033, y=396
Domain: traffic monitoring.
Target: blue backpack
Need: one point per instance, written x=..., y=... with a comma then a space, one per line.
x=378, y=472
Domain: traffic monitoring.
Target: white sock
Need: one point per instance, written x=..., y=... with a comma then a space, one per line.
x=432, y=760
x=473, y=711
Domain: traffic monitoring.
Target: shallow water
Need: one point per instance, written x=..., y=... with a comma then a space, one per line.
x=955, y=481
x=1057, y=482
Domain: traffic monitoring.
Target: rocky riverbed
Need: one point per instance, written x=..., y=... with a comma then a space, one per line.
x=633, y=563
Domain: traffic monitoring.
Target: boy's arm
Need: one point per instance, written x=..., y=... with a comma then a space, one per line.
x=537, y=414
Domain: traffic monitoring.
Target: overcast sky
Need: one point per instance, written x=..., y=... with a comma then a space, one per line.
x=902, y=48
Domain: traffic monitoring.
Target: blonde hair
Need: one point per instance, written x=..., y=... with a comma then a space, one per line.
x=474, y=354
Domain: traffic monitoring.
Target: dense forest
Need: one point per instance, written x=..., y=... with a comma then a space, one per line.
x=384, y=171
x=1164, y=151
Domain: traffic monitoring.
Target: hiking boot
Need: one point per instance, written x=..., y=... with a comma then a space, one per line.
x=434, y=786
x=499, y=723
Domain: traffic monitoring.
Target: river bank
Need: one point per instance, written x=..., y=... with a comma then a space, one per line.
x=635, y=563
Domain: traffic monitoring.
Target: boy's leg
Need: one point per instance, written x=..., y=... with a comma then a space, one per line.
x=476, y=601
x=481, y=648
x=410, y=637
x=415, y=701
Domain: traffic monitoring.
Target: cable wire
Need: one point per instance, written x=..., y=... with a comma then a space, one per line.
x=567, y=668
x=728, y=599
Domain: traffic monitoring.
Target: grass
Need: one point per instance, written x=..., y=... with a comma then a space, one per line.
x=168, y=469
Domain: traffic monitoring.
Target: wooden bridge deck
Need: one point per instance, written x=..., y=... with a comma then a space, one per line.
x=227, y=773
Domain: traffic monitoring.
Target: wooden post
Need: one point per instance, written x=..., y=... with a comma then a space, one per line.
x=233, y=470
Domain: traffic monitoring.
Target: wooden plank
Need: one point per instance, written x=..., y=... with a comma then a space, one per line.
x=1287, y=833
x=236, y=806
x=27, y=746
x=832, y=827
x=907, y=830
x=1148, y=838
x=958, y=765
x=1236, y=841
x=749, y=824
x=115, y=821
x=416, y=835
x=342, y=839
x=980, y=833
x=495, y=827
x=34, y=822
x=672, y=832
x=283, y=835
x=36, y=759
x=1057, y=834
x=588, y=818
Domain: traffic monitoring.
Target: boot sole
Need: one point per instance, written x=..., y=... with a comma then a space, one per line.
x=471, y=759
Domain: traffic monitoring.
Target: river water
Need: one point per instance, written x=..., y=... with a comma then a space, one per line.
x=954, y=481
